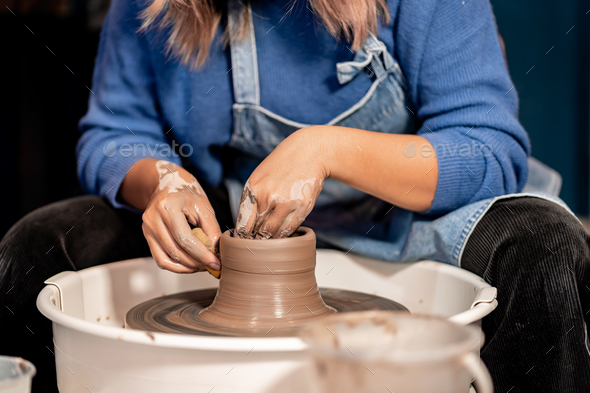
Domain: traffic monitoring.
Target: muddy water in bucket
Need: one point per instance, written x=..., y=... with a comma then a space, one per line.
x=15, y=375
x=267, y=288
x=380, y=351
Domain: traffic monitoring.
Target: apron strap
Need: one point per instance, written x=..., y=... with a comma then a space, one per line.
x=244, y=59
x=374, y=53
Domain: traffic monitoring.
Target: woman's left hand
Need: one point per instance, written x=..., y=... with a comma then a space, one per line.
x=283, y=189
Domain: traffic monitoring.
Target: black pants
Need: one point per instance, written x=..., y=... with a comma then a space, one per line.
x=538, y=256
x=533, y=251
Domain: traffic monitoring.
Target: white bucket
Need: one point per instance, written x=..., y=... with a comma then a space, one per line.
x=375, y=351
x=88, y=310
x=15, y=375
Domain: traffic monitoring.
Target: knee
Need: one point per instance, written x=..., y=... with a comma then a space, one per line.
x=546, y=234
x=47, y=221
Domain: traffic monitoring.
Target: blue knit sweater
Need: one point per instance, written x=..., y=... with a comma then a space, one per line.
x=143, y=101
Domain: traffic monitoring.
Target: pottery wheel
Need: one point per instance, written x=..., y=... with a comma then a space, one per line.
x=179, y=313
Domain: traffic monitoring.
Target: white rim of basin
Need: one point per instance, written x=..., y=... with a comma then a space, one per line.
x=482, y=305
x=222, y=343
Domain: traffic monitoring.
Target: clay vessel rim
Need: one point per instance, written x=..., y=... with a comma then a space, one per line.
x=304, y=243
x=305, y=233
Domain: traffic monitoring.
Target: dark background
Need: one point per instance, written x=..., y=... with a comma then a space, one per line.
x=47, y=54
x=553, y=95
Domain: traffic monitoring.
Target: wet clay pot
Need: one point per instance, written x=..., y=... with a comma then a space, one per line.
x=267, y=283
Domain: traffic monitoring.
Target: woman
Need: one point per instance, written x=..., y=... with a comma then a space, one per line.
x=388, y=127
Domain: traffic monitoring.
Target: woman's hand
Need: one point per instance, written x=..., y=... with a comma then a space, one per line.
x=177, y=199
x=283, y=189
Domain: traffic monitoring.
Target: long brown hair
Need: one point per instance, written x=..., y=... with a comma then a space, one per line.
x=193, y=23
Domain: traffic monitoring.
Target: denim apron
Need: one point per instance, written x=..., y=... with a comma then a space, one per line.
x=344, y=217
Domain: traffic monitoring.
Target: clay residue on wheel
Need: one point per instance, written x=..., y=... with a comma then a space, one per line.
x=180, y=313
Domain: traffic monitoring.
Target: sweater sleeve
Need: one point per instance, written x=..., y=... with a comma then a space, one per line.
x=123, y=124
x=464, y=99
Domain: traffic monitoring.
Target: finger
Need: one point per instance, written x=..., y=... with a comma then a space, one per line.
x=289, y=224
x=191, y=213
x=174, y=251
x=163, y=259
x=208, y=223
x=274, y=221
x=181, y=232
x=247, y=214
x=201, y=214
x=264, y=212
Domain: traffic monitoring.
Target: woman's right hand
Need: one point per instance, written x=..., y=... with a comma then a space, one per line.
x=177, y=199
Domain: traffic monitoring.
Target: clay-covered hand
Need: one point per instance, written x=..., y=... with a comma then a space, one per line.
x=177, y=200
x=282, y=190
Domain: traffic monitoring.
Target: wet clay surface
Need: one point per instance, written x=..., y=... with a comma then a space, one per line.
x=267, y=283
x=267, y=288
x=179, y=313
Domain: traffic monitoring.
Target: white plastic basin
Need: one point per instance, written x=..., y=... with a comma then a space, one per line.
x=95, y=353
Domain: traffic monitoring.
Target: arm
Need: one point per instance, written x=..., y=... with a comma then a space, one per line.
x=400, y=169
x=121, y=131
x=283, y=189
x=459, y=83
x=139, y=185
x=122, y=123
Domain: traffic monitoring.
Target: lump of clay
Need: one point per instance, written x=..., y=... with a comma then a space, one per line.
x=267, y=284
